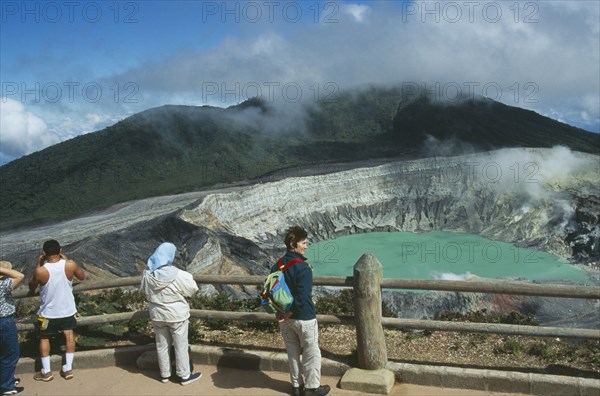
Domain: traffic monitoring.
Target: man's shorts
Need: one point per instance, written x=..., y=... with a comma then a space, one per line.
x=49, y=327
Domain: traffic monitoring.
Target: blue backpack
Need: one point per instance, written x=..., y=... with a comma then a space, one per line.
x=276, y=295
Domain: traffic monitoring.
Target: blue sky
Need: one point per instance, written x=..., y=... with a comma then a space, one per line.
x=68, y=68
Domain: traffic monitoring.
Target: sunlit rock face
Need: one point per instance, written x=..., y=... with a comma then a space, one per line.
x=547, y=199
x=543, y=199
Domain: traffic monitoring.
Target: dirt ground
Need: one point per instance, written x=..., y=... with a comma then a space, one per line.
x=541, y=355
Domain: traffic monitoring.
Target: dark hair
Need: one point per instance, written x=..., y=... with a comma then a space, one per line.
x=294, y=235
x=51, y=247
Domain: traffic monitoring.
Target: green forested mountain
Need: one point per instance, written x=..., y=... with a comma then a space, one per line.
x=488, y=125
x=175, y=149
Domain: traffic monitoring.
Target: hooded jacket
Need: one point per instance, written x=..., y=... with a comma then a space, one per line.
x=167, y=286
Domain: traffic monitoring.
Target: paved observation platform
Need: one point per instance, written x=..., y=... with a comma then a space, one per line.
x=121, y=371
x=215, y=381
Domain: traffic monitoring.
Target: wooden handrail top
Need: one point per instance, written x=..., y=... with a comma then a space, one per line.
x=487, y=286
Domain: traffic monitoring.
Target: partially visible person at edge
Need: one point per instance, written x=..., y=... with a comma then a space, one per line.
x=54, y=273
x=166, y=288
x=299, y=326
x=9, y=340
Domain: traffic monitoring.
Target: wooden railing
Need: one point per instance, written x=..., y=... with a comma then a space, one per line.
x=367, y=283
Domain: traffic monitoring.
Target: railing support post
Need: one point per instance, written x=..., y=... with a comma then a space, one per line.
x=370, y=340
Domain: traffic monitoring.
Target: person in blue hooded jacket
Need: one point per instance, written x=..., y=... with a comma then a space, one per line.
x=299, y=326
x=166, y=288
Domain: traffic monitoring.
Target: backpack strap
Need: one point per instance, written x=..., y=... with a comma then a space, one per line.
x=282, y=267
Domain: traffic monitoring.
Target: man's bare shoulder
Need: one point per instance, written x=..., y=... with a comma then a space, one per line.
x=72, y=269
x=40, y=271
x=41, y=275
x=71, y=263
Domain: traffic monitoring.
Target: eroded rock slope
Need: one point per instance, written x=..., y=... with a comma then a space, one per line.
x=546, y=199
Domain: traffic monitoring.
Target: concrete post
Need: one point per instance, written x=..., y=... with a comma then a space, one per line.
x=370, y=340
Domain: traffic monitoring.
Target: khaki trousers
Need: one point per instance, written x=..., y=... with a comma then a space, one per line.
x=175, y=333
x=301, y=338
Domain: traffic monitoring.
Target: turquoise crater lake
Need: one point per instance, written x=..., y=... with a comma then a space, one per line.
x=440, y=255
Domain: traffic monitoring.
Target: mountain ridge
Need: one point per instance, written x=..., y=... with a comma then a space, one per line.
x=174, y=149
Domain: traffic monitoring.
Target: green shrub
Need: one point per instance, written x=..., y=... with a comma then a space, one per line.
x=482, y=316
x=541, y=350
x=110, y=301
x=139, y=326
x=219, y=302
x=25, y=308
x=195, y=336
x=510, y=346
x=340, y=304
x=589, y=352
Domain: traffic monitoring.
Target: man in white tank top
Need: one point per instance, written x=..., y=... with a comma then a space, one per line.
x=54, y=273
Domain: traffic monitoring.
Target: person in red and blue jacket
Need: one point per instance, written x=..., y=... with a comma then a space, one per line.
x=299, y=326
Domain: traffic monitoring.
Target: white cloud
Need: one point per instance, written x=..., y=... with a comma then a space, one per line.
x=542, y=56
x=589, y=108
x=357, y=11
x=21, y=132
x=77, y=124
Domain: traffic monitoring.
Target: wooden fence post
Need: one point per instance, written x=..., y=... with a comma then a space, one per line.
x=370, y=340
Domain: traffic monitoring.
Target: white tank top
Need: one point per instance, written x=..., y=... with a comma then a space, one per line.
x=56, y=296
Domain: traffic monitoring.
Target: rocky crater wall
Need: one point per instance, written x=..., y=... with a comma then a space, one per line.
x=546, y=199
x=539, y=198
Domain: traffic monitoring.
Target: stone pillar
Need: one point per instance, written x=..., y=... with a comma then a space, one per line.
x=370, y=341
